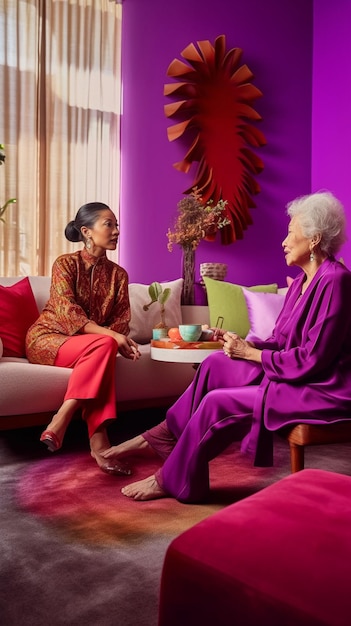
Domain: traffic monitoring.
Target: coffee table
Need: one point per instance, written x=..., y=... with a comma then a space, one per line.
x=182, y=351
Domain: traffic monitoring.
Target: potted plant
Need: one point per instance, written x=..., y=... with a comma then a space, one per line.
x=160, y=295
x=12, y=200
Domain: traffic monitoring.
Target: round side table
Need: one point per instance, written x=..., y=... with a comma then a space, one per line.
x=179, y=354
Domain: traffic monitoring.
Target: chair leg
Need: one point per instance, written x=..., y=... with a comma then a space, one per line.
x=297, y=457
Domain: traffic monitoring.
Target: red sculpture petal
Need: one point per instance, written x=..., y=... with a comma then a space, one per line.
x=216, y=103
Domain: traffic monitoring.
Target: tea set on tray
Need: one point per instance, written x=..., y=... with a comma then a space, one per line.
x=186, y=335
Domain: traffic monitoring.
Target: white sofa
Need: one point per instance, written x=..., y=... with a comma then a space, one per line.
x=30, y=394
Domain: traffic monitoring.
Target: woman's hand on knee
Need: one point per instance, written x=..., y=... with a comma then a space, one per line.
x=127, y=347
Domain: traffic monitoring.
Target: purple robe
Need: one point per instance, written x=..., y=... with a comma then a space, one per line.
x=305, y=376
x=307, y=361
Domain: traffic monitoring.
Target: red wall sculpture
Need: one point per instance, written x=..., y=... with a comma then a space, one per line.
x=216, y=117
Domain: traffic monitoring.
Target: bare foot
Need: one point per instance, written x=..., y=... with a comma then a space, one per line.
x=147, y=489
x=98, y=444
x=133, y=446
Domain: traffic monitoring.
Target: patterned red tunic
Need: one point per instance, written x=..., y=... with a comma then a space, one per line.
x=83, y=288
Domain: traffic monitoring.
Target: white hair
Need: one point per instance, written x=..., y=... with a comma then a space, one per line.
x=321, y=214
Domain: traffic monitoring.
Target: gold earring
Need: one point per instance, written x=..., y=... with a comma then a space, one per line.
x=88, y=244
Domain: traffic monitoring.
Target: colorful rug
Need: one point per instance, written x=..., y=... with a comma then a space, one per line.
x=70, y=492
x=75, y=551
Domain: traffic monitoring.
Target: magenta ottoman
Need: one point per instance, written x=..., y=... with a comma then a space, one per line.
x=281, y=557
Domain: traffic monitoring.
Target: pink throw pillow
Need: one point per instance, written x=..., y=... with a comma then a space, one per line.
x=18, y=311
x=263, y=310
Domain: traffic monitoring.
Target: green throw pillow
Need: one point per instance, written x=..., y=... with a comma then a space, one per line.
x=227, y=300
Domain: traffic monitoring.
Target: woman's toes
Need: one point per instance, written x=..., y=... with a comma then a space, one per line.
x=147, y=489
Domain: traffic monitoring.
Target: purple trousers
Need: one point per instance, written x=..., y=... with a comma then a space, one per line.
x=214, y=411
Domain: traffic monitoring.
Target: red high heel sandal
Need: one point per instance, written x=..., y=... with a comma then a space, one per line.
x=51, y=440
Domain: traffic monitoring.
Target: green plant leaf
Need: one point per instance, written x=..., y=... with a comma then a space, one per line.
x=165, y=295
x=3, y=208
x=155, y=290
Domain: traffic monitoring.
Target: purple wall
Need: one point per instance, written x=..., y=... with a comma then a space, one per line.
x=331, y=128
x=276, y=38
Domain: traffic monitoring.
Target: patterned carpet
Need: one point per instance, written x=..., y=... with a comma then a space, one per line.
x=76, y=551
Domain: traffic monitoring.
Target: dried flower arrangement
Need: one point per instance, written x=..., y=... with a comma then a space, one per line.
x=196, y=220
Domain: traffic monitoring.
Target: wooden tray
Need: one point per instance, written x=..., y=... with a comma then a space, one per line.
x=185, y=345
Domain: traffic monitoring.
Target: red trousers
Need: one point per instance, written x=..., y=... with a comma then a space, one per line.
x=93, y=359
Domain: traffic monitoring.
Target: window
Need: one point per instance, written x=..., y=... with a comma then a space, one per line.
x=59, y=121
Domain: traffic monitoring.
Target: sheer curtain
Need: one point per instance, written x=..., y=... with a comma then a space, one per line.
x=60, y=82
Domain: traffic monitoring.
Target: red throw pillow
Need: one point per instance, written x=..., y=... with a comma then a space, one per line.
x=18, y=311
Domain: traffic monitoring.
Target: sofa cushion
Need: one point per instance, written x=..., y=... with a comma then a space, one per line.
x=18, y=311
x=40, y=287
x=43, y=387
x=263, y=310
x=142, y=322
x=227, y=300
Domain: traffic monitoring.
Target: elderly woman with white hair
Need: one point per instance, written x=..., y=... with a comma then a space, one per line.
x=302, y=373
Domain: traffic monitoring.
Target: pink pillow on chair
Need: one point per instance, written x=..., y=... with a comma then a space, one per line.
x=263, y=310
x=18, y=311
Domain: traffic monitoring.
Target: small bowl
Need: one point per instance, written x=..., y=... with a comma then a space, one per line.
x=190, y=332
x=206, y=335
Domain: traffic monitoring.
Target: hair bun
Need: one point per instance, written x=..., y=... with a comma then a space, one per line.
x=71, y=232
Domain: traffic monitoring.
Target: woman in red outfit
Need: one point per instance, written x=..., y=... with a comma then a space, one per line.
x=83, y=325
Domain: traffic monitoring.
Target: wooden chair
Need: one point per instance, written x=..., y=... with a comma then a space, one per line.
x=301, y=435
